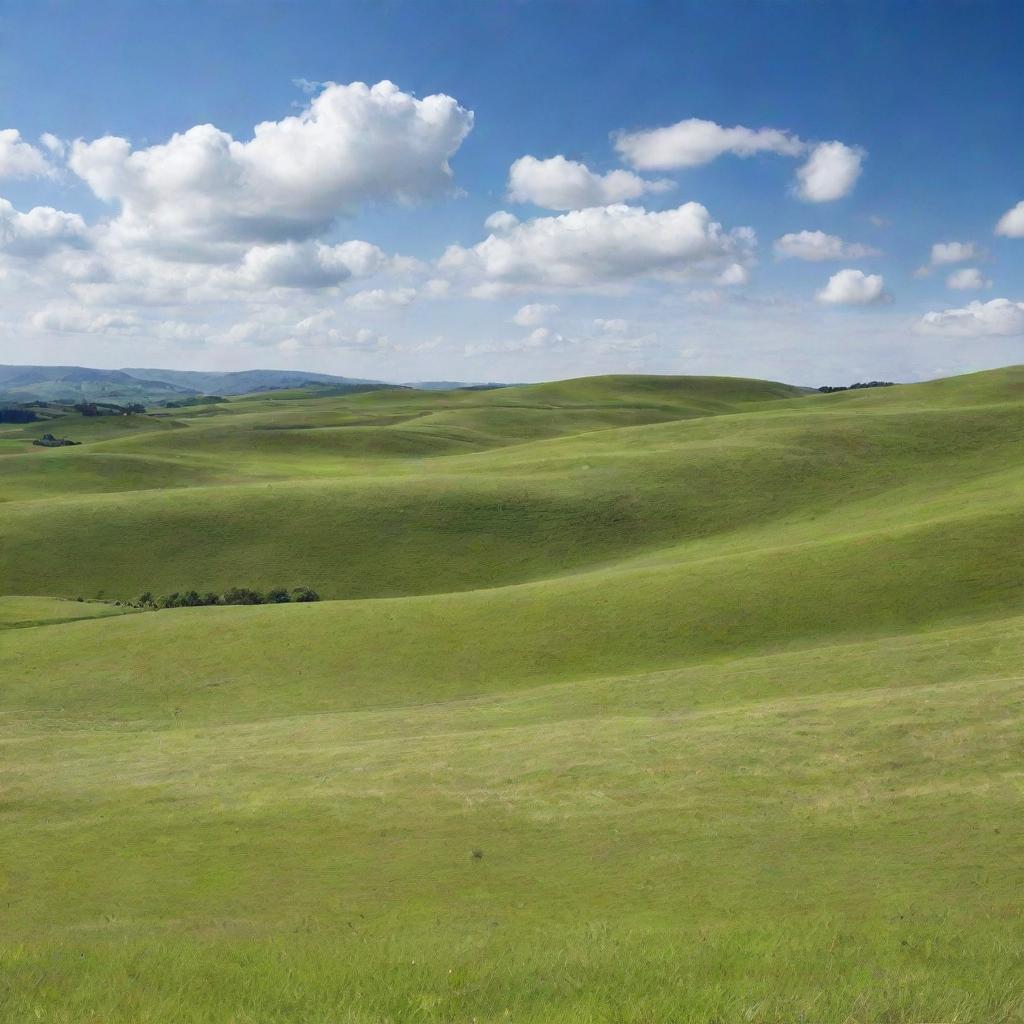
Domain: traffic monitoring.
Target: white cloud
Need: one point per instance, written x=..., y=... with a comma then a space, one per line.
x=305, y=264
x=380, y=300
x=39, y=232
x=830, y=172
x=501, y=220
x=534, y=314
x=612, y=326
x=436, y=288
x=315, y=333
x=600, y=246
x=1011, y=224
x=352, y=144
x=57, y=147
x=734, y=274
x=19, y=159
x=278, y=327
x=694, y=142
x=817, y=247
x=543, y=337
x=561, y=184
x=953, y=252
x=852, y=288
x=540, y=339
x=945, y=253
x=998, y=317
x=82, y=321
x=967, y=279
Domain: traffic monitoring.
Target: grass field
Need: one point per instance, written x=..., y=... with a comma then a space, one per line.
x=630, y=700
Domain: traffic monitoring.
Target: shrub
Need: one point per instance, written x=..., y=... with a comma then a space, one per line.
x=303, y=594
x=278, y=596
x=242, y=595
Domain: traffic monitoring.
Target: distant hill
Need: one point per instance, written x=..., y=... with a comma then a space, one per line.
x=82, y=384
x=85, y=384
x=241, y=382
x=453, y=385
x=153, y=385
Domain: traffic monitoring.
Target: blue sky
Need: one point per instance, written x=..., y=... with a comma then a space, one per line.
x=741, y=188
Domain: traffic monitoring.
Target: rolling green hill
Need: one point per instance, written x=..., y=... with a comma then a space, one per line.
x=630, y=699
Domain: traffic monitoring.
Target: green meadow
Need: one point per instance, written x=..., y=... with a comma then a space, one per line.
x=629, y=699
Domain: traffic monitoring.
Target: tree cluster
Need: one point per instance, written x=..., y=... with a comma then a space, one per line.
x=828, y=389
x=184, y=403
x=108, y=409
x=234, y=595
x=16, y=415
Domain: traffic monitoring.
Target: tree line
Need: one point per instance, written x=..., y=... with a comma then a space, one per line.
x=234, y=595
x=17, y=415
x=829, y=389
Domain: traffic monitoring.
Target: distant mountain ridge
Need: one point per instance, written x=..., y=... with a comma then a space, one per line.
x=152, y=385
x=241, y=382
x=86, y=384
x=80, y=384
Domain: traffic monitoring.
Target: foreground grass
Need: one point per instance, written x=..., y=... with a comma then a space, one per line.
x=826, y=835
x=901, y=968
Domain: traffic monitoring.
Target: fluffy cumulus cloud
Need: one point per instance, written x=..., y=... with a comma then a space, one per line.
x=20, y=159
x=381, y=300
x=230, y=233
x=72, y=320
x=600, y=246
x=830, y=172
x=996, y=318
x=967, y=279
x=944, y=253
x=353, y=143
x=534, y=314
x=501, y=220
x=1011, y=224
x=561, y=184
x=734, y=274
x=818, y=247
x=853, y=288
x=39, y=232
x=320, y=331
x=306, y=264
x=694, y=142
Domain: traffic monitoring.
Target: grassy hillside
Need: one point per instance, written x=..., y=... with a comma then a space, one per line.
x=633, y=699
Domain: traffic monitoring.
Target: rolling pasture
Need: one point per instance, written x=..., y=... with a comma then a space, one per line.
x=630, y=699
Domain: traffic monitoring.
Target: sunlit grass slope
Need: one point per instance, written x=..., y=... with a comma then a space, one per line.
x=634, y=699
x=37, y=611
